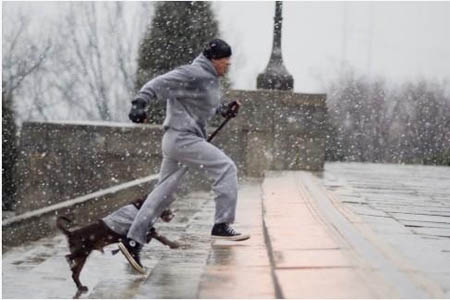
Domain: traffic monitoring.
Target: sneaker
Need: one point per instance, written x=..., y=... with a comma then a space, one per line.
x=223, y=231
x=131, y=250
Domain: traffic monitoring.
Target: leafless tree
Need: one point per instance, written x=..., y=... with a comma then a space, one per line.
x=79, y=67
x=24, y=56
x=401, y=124
x=95, y=71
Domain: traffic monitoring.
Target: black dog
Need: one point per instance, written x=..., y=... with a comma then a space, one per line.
x=96, y=236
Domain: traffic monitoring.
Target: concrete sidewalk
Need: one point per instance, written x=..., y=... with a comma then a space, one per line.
x=311, y=259
x=304, y=244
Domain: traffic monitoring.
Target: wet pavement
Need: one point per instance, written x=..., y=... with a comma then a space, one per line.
x=39, y=269
x=353, y=231
x=405, y=211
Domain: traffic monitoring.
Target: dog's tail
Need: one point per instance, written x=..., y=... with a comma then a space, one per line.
x=60, y=224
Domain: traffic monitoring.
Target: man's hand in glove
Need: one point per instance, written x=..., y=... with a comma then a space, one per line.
x=138, y=113
x=232, y=109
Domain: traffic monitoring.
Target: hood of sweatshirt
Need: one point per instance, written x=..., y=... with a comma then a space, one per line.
x=205, y=64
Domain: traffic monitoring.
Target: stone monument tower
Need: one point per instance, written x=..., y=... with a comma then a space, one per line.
x=276, y=76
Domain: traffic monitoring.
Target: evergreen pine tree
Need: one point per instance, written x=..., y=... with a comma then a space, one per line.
x=178, y=33
x=9, y=150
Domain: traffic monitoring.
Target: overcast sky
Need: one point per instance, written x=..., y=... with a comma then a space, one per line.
x=396, y=40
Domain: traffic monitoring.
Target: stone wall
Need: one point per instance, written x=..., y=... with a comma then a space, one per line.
x=60, y=161
x=283, y=130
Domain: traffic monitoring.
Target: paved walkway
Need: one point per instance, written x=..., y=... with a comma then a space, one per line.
x=405, y=212
x=310, y=239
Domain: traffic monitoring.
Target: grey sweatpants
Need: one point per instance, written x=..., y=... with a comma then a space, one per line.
x=182, y=150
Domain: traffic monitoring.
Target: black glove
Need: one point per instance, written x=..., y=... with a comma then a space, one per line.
x=138, y=113
x=231, y=110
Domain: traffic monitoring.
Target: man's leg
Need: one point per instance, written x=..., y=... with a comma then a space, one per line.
x=120, y=220
x=196, y=152
x=160, y=198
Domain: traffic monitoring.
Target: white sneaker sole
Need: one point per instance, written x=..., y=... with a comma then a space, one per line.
x=236, y=238
x=130, y=259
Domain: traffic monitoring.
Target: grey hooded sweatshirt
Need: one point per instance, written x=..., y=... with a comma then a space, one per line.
x=192, y=94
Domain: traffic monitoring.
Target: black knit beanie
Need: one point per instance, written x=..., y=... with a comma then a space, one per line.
x=217, y=49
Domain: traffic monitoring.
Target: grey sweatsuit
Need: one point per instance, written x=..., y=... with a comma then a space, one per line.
x=193, y=97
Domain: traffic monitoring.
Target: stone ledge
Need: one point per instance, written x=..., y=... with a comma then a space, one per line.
x=36, y=224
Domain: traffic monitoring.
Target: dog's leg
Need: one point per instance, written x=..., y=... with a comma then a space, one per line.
x=163, y=240
x=70, y=261
x=76, y=270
